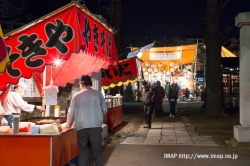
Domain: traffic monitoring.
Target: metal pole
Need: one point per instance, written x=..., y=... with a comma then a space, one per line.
x=44, y=85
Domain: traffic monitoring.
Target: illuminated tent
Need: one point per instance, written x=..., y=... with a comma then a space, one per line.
x=128, y=70
x=70, y=33
x=178, y=54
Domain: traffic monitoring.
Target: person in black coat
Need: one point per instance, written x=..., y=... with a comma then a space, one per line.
x=172, y=98
x=187, y=93
x=148, y=97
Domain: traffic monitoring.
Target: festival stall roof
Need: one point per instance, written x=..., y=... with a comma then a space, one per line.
x=181, y=54
x=128, y=70
x=225, y=52
x=71, y=31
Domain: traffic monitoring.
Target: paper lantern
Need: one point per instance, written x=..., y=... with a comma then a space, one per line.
x=150, y=69
x=160, y=64
x=153, y=65
x=147, y=63
x=176, y=66
x=171, y=64
x=156, y=70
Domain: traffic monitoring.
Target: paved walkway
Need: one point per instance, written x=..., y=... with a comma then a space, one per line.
x=170, y=133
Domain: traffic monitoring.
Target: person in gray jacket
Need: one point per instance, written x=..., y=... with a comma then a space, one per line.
x=85, y=115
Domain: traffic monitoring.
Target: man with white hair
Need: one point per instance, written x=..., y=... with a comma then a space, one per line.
x=14, y=103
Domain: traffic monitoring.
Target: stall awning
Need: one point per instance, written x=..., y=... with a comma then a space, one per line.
x=129, y=70
x=225, y=52
x=181, y=54
x=70, y=30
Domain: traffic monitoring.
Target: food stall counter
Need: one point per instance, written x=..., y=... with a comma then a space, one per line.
x=29, y=149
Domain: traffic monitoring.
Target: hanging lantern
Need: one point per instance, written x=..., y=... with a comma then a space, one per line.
x=171, y=70
x=144, y=69
x=147, y=63
x=171, y=64
x=153, y=65
x=160, y=64
x=188, y=66
x=150, y=69
x=176, y=66
x=156, y=70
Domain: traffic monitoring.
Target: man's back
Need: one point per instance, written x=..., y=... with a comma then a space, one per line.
x=159, y=92
x=88, y=106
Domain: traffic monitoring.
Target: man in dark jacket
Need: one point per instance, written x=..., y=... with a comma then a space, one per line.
x=159, y=96
x=148, y=97
x=172, y=98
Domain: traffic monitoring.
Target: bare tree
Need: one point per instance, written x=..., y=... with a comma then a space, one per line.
x=115, y=13
x=214, y=38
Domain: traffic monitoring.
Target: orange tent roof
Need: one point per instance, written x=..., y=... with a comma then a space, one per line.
x=187, y=53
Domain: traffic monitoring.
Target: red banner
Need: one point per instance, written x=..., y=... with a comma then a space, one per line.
x=126, y=71
x=59, y=34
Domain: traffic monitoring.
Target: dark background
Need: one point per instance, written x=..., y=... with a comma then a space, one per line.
x=146, y=21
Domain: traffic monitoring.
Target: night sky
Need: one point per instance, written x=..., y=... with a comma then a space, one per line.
x=146, y=21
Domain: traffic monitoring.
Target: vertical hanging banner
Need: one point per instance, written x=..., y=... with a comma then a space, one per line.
x=69, y=30
x=126, y=71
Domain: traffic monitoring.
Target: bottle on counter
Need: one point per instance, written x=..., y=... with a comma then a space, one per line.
x=57, y=110
x=16, y=120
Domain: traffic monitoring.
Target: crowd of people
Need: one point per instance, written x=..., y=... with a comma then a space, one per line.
x=153, y=95
x=152, y=98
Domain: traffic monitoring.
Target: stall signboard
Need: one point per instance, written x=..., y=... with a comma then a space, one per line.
x=165, y=56
x=31, y=90
x=68, y=30
x=126, y=71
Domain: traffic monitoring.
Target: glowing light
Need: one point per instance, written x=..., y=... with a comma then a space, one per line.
x=139, y=54
x=57, y=62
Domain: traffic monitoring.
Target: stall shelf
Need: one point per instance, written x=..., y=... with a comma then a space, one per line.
x=113, y=117
x=230, y=87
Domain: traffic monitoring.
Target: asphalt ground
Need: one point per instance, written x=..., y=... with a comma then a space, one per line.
x=174, y=154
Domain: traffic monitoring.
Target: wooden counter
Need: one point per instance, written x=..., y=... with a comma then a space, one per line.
x=26, y=149
x=113, y=118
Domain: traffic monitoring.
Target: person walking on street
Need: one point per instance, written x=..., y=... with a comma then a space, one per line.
x=159, y=96
x=172, y=98
x=187, y=93
x=148, y=97
x=85, y=115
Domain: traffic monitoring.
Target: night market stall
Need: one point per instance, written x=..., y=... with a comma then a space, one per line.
x=170, y=64
x=84, y=45
x=127, y=71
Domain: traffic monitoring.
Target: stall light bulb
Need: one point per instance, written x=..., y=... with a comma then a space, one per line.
x=57, y=62
x=139, y=54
